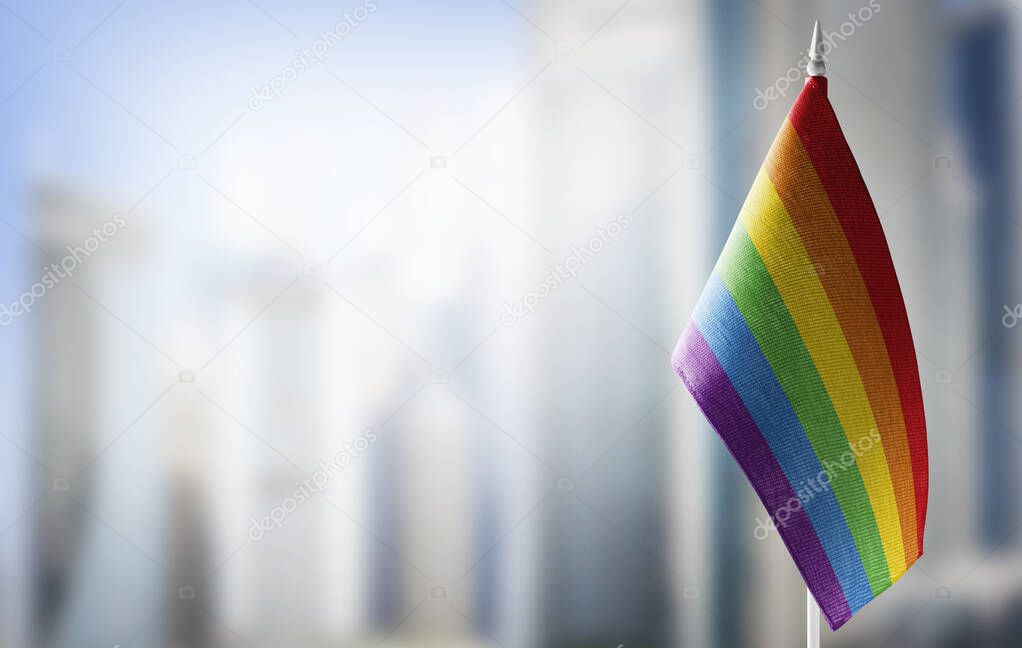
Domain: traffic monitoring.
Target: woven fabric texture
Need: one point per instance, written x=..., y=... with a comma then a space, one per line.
x=800, y=355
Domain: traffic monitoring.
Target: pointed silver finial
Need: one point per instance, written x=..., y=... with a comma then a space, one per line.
x=816, y=65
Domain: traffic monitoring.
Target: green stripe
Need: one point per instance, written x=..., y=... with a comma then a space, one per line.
x=760, y=303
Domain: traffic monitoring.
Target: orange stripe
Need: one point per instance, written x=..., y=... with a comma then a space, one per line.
x=814, y=119
x=812, y=214
x=775, y=238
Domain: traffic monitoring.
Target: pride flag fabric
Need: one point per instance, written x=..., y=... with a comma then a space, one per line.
x=799, y=353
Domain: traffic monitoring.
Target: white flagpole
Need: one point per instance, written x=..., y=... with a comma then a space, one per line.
x=812, y=621
x=816, y=66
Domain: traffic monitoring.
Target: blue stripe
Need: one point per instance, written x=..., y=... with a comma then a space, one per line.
x=731, y=340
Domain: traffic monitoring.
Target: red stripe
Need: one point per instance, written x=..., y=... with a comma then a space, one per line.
x=818, y=128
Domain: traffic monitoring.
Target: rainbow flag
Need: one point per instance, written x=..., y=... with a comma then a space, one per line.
x=800, y=355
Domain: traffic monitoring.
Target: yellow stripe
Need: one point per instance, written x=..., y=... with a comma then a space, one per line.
x=770, y=228
x=794, y=177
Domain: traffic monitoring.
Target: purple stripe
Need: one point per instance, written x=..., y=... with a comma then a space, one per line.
x=698, y=367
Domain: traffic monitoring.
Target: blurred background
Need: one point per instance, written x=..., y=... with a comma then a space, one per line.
x=348, y=322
